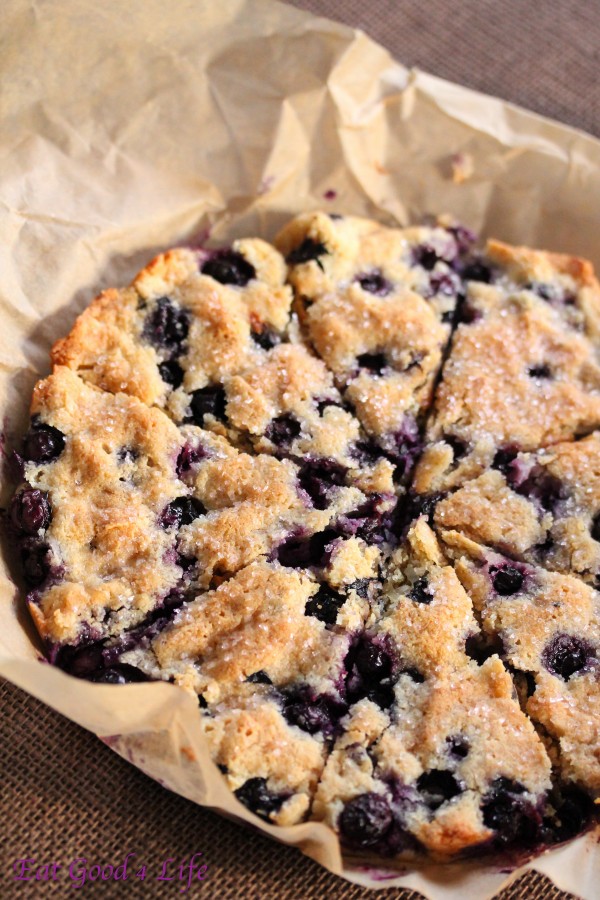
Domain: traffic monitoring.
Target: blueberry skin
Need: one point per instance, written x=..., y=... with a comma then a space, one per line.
x=365, y=819
x=507, y=580
x=325, y=605
x=229, y=267
x=167, y=326
x=256, y=796
x=181, y=511
x=210, y=400
x=566, y=655
x=43, y=443
x=307, y=251
x=30, y=511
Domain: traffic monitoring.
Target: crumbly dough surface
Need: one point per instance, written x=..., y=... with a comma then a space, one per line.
x=346, y=491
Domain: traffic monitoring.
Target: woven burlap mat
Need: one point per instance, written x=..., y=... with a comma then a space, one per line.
x=63, y=794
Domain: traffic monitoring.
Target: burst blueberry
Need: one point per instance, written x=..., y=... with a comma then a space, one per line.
x=171, y=373
x=283, y=429
x=325, y=605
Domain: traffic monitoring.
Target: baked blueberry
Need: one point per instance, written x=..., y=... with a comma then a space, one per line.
x=208, y=401
x=171, y=373
x=318, y=476
x=566, y=655
x=325, y=604
x=283, y=429
x=229, y=267
x=307, y=251
x=375, y=283
x=43, y=443
x=30, y=511
x=372, y=362
x=421, y=591
x=507, y=579
x=181, y=512
x=167, y=326
x=509, y=814
x=365, y=819
x=256, y=796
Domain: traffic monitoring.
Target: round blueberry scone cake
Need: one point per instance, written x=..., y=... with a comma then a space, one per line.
x=346, y=491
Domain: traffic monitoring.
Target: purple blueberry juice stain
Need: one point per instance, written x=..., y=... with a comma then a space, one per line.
x=330, y=194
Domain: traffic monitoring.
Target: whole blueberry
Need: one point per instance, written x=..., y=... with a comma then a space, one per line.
x=307, y=251
x=43, y=443
x=507, y=579
x=181, y=511
x=566, y=655
x=171, y=373
x=208, y=401
x=256, y=796
x=365, y=819
x=229, y=267
x=167, y=326
x=35, y=563
x=30, y=511
x=375, y=283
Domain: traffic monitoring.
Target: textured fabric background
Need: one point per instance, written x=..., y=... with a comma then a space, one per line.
x=62, y=792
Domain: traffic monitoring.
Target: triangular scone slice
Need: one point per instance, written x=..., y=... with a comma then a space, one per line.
x=99, y=470
x=436, y=752
x=542, y=508
x=549, y=629
x=523, y=369
x=376, y=304
x=190, y=318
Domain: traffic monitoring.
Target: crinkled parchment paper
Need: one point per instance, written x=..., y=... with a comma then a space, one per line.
x=129, y=128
